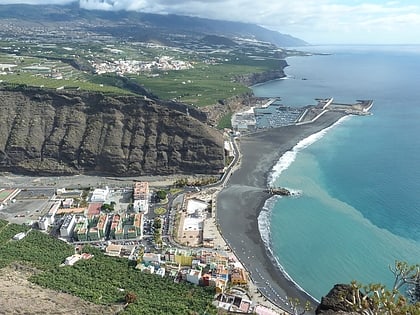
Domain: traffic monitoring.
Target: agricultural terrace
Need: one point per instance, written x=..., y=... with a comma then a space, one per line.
x=102, y=279
x=210, y=79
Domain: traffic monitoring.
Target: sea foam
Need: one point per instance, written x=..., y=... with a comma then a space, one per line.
x=289, y=157
x=264, y=223
x=264, y=218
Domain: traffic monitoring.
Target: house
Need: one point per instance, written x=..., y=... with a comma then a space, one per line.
x=214, y=259
x=194, y=276
x=71, y=260
x=238, y=276
x=68, y=202
x=161, y=272
x=19, y=236
x=44, y=222
x=184, y=258
x=113, y=250
x=151, y=258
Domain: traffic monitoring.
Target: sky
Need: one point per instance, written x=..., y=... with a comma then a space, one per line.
x=315, y=21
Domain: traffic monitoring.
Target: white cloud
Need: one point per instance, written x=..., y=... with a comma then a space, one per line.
x=316, y=21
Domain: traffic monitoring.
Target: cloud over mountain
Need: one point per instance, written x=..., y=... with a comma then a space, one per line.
x=316, y=21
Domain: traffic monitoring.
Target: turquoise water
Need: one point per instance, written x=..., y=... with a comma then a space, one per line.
x=359, y=207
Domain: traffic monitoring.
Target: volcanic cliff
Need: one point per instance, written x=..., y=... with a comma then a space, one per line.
x=48, y=132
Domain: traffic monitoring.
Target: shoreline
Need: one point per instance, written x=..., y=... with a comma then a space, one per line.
x=241, y=202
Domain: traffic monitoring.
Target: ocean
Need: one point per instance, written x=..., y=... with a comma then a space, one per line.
x=358, y=208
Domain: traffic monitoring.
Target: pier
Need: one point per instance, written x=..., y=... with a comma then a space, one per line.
x=272, y=114
x=361, y=108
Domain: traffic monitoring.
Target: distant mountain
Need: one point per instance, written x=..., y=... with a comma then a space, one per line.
x=124, y=23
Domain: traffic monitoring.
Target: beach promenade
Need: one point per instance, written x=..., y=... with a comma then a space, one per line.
x=240, y=202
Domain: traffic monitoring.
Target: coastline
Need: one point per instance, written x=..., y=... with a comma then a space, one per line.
x=241, y=202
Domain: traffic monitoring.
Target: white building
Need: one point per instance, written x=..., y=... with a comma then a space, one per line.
x=67, y=226
x=229, y=148
x=193, y=224
x=45, y=222
x=99, y=195
x=141, y=196
x=49, y=218
x=244, y=121
x=196, y=206
x=151, y=258
x=161, y=272
x=68, y=202
x=141, y=206
x=71, y=260
x=19, y=236
x=194, y=276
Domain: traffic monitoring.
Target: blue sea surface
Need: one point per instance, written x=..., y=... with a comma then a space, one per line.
x=359, y=205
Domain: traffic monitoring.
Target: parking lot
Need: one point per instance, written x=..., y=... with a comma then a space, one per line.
x=122, y=199
x=27, y=206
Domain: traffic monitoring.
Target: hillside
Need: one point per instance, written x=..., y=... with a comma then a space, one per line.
x=140, y=26
x=50, y=132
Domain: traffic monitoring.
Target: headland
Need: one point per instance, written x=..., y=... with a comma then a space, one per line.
x=243, y=198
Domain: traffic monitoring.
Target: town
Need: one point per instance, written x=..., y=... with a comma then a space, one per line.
x=167, y=231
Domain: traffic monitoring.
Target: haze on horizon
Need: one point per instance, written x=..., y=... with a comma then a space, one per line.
x=315, y=21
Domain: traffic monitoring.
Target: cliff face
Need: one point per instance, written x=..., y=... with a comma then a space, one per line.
x=48, y=132
x=261, y=77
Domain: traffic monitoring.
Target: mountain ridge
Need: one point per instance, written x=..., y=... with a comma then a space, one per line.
x=148, y=21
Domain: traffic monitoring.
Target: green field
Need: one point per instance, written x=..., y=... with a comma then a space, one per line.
x=202, y=86
x=40, y=81
x=206, y=84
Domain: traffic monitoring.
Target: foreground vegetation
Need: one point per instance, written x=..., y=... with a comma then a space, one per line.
x=376, y=299
x=102, y=279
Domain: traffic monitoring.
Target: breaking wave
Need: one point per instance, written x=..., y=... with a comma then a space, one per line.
x=289, y=157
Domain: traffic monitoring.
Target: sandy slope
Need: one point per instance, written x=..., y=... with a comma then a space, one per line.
x=19, y=296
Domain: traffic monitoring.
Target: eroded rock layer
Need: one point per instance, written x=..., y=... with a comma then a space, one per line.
x=56, y=132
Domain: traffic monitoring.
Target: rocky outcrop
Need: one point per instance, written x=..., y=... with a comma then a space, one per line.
x=279, y=191
x=261, y=77
x=230, y=105
x=57, y=132
x=334, y=302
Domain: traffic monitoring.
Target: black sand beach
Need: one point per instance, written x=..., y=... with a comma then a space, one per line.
x=240, y=202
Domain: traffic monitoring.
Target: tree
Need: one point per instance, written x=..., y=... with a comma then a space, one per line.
x=157, y=223
x=299, y=309
x=375, y=299
x=405, y=274
x=107, y=207
x=161, y=194
x=130, y=298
